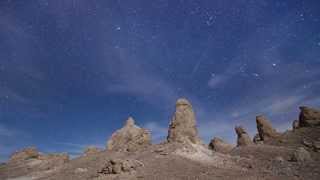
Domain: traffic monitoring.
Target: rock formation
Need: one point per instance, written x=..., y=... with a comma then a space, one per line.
x=91, y=150
x=219, y=145
x=25, y=154
x=257, y=139
x=309, y=117
x=243, y=137
x=301, y=155
x=119, y=166
x=130, y=138
x=183, y=128
x=295, y=124
x=265, y=129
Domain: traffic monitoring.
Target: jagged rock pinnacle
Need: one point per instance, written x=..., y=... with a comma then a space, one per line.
x=129, y=138
x=130, y=122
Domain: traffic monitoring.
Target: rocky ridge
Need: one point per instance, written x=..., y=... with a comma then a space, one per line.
x=294, y=154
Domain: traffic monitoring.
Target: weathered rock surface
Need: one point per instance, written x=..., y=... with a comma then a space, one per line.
x=183, y=128
x=130, y=138
x=257, y=139
x=25, y=154
x=295, y=124
x=218, y=145
x=309, y=117
x=119, y=166
x=243, y=137
x=265, y=129
x=91, y=150
x=301, y=155
x=281, y=158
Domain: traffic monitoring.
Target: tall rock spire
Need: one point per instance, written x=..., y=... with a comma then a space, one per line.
x=183, y=128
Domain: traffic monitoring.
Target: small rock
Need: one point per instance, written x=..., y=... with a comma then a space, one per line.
x=81, y=170
x=307, y=143
x=118, y=166
x=279, y=159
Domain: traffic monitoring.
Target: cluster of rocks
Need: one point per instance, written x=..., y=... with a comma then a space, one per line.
x=182, y=130
x=309, y=117
x=31, y=158
x=119, y=166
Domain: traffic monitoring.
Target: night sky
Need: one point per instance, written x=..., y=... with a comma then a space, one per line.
x=72, y=71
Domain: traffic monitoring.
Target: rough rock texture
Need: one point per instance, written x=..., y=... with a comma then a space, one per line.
x=243, y=137
x=265, y=129
x=91, y=150
x=219, y=145
x=257, y=139
x=295, y=124
x=183, y=128
x=130, y=138
x=309, y=117
x=119, y=166
x=301, y=155
x=25, y=154
x=281, y=158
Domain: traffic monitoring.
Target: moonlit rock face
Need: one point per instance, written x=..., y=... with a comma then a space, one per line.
x=130, y=138
x=183, y=128
x=218, y=145
x=243, y=137
x=265, y=129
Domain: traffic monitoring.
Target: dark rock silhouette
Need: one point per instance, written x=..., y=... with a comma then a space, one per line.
x=309, y=117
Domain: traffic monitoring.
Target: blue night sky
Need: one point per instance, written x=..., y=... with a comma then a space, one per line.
x=72, y=71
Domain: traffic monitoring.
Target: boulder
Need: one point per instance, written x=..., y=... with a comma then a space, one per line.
x=218, y=145
x=25, y=154
x=309, y=117
x=243, y=137
x=265, y=129
x=130, y=138
x=182, y=128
